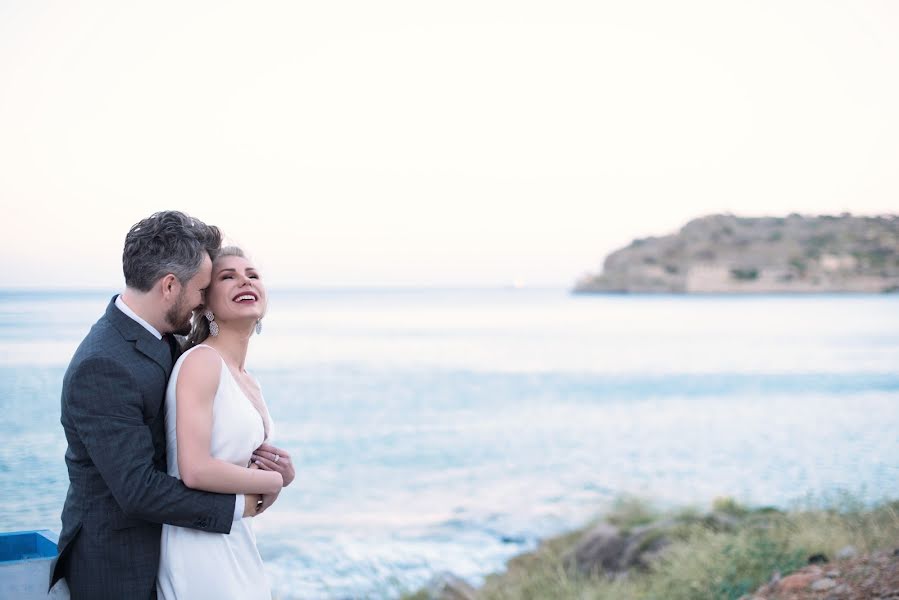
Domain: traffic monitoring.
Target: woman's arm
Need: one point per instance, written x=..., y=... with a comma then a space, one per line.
x=197, y=384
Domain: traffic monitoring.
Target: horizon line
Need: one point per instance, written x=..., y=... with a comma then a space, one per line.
x=313, y=288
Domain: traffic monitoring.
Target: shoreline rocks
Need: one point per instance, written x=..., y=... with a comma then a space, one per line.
x=636, y=553
x=862, y=577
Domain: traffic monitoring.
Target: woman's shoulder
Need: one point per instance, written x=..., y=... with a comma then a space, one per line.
x=201, y=362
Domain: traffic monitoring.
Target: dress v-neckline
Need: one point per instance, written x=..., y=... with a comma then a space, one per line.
x=242, y=391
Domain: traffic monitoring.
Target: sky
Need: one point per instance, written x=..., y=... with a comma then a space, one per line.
x=432, y=144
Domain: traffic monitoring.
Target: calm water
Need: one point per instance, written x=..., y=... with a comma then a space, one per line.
x=448, y=430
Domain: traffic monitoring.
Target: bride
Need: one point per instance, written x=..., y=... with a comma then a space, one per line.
x=215, y=419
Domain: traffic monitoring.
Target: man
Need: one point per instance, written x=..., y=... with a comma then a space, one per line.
x=113, y=416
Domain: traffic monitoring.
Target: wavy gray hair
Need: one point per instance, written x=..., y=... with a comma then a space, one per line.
x=167, y=242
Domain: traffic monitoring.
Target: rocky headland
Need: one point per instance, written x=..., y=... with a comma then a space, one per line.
x=835, y=551
x=731, y=254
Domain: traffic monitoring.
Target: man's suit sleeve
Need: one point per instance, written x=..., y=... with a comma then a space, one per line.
x=106, y=408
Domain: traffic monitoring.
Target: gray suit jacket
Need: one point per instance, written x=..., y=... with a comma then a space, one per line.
x=113, y=414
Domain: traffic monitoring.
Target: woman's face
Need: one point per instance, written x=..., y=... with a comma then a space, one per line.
x=236, y=292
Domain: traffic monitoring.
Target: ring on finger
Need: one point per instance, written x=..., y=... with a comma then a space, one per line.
x=277, y=457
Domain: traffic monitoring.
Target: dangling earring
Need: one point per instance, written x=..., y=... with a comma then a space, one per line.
x=258, y=326
x=213, y=326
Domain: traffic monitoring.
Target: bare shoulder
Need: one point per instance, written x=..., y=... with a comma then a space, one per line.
x=200, y=370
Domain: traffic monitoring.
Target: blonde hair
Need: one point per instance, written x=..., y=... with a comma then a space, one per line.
x=199, y=329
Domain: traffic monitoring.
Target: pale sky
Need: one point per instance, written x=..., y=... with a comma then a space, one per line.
x=425, y=143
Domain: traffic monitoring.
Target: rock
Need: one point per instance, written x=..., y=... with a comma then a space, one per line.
x=823, y=584
x=796, y=582
x=446, y=586
x=839, y=592
x=600, y=549
x=643, y=544
x=847, y=552
x=721, y=521
x=833, y=573
x=512, y=539
x=607, y=549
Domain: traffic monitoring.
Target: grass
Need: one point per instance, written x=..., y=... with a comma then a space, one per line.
x=722, y=554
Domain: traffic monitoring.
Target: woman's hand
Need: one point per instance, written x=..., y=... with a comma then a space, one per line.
x=272, y=458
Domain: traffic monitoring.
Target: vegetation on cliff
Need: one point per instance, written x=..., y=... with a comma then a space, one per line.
x=727, y=254
x=731, y=552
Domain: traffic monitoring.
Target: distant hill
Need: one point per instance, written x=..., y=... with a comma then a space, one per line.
x=730, y=254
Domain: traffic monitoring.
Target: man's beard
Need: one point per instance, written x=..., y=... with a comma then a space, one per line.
x=178, y=317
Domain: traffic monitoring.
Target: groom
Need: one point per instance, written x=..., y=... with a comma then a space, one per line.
x=114, y=421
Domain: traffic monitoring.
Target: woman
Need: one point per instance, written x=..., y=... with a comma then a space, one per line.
x=215, y=419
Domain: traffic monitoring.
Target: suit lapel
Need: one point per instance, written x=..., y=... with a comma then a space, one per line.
x=157, y=350
x=144, y=341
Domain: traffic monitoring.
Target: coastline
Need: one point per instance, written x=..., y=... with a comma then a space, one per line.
x=507, y=416
x=636, y=552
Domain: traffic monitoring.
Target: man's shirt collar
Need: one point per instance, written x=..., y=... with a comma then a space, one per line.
x=120, y=304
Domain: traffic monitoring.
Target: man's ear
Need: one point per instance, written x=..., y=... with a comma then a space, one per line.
x=170, y=286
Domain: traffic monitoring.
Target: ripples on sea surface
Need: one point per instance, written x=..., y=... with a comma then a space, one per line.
x=450, y=429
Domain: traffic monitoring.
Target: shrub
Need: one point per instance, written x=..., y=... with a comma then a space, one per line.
x=745, y=274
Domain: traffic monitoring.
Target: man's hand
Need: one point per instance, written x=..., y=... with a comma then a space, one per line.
x=267, y=500
x=250, y=501
x=272, y=458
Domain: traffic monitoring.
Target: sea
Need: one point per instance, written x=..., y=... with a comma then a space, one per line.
x=439, y=430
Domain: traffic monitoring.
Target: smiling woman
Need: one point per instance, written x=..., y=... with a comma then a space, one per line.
x=231, y=265
x=216, y=423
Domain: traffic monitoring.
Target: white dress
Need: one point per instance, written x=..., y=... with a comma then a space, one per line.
x=193, y=564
